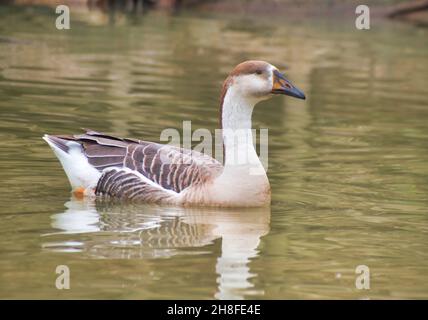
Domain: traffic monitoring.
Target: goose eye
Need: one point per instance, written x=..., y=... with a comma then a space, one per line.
x=259, y=71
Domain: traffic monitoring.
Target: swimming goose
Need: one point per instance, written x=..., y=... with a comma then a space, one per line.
x=103, y=165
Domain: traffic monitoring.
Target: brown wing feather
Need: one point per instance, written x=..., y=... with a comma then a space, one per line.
x=170, y=167
x=125, y=184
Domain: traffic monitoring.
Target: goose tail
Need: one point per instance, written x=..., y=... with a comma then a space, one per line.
x=69, y=152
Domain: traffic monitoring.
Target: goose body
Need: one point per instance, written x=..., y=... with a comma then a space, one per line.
x=103, y=165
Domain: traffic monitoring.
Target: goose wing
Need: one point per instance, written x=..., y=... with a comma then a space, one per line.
x=155, y=165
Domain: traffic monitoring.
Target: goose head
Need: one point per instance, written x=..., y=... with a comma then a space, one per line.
x=259, y=80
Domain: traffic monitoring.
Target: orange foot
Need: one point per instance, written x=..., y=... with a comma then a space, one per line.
x=79, y=193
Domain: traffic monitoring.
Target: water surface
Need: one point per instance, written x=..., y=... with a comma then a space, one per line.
x=348, y=167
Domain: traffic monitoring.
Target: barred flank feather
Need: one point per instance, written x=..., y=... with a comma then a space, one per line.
x=129, y=185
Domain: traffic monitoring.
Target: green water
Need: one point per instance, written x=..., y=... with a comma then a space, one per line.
x=348, y=167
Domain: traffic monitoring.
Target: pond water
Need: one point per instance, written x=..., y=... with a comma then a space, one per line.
x=348, y=167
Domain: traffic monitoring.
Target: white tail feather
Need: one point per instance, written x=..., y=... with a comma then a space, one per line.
x=76, y=166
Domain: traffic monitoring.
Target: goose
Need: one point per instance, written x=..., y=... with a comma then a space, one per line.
x=103, y=165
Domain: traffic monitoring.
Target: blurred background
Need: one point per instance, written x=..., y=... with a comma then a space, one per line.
x=413, y=11
x=348, y=166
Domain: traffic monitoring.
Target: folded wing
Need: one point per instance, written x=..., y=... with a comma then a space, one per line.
x=149, y=164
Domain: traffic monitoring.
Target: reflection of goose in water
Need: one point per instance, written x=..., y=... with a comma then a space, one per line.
x=146, y=231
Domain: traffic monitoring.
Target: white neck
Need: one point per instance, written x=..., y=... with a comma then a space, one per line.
x=237, y=135
x=243, y=180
